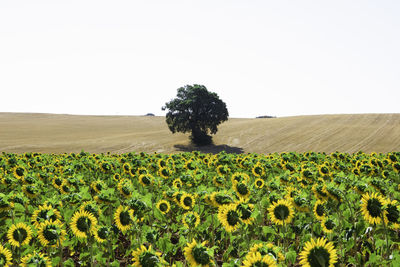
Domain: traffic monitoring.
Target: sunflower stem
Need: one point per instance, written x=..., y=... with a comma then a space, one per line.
x=386, y=236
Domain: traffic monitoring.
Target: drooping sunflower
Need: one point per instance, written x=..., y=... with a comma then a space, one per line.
x=256, y=259
x=241, y=189
x=187, y=201
x=19, y=234
x=147, y=257
x=5, y=204
x=30, y=190
x=281, y=212
x=191, y=219
x=124, y=218
x=83, y=223
x=51, y=234
x=35, y=259
x=146, y=179
x=301, y=203
x=44, y=213
x=372, y=208
x=5, y=256
x=318, y=253
x=319, y=210
x=229, y=217
x=97, y=186
x=197, y=254
x=259, y=183
x=220, y=198
x=163, y=206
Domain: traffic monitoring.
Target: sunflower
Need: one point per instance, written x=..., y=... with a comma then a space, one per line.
x=146, y=179
x=35, y=259
x=97, y=186
x=259, y=183
x=125, y=187
x=30, y=191
x=318, y=253
x=177, y=183
x=141, y=170
x=220, y=198
x=256, y=259
x=319, y=210
x=281, y=212
x=229, y=217
x=124, y=218
x=372, y=208
x=245, y=211
x=126, y=167
x=241, y=189
x=240, y=177
x=101, y=234
x=191, y=165
x=147, y=257
x=19, y=172
x=392, y=213
x=223, y=170
x=191, y=219
x=187, y=201
x=5, y=204
x=301, y=203
x=5, y=256
x=105, y=166
x=83, y=223
x=258, y=170
x=197, y=254
x=268, y=249
x=117, y=177
x=45, y=213
x=218, y=180
x=19, y=234
x=163, y=206
x=165, y=172
x=51, y=234
x=57, y=182
x=396, y=167
x=324, y=170
x=328, y=225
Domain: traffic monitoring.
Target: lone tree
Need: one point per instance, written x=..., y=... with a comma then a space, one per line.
x=196, y=110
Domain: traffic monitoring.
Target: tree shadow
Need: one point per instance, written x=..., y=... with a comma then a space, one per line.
x=213, y=149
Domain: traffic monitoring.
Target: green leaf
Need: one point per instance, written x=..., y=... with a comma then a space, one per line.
x=69, y=263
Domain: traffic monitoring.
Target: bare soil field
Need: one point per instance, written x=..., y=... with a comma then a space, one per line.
x=55, y=133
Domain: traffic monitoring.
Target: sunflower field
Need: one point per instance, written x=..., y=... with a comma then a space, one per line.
x=196, y=209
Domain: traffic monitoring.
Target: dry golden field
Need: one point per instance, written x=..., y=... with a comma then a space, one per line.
x=53, y=133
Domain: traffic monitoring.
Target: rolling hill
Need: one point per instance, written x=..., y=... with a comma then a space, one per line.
x=55, y=133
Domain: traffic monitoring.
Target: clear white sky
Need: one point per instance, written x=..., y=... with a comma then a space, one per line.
x=261, y=57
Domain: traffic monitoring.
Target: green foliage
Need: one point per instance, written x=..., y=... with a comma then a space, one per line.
x=196, y=110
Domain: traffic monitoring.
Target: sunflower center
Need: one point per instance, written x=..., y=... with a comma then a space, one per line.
x=165, y=172
x=260, y=264
x=318, y=256
x=245, y=212
x=125, y=218
x=163, y=207
x=58, y=181
x=126, y=190
x=200, y=255
x=281, y=212
x=19, y=171
x=242, y=189
x=50, y=234
x=83, y=224
x=320, y=210
x=20, y=235
x=232, y=217
x=102, y=232
x=374, y=207
x=258, y=170
x=393, y=214
x=187, y=201
x=259, y=183
x=146, y=180
x=329, y=224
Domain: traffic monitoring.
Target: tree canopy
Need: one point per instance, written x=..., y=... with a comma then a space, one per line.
x=196, y=110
